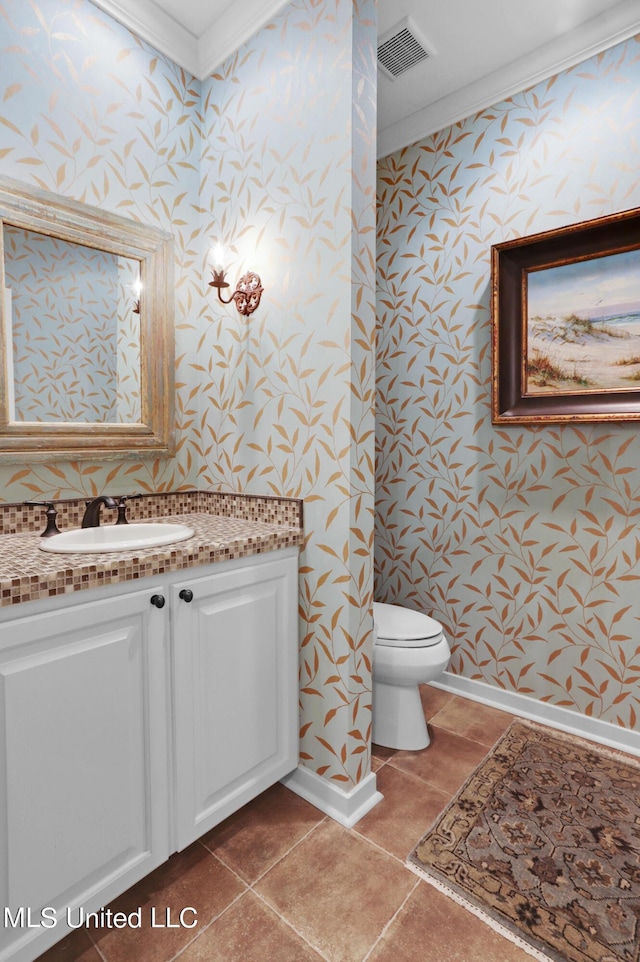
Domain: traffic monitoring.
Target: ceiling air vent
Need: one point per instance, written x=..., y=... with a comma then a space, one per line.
x=401, y=48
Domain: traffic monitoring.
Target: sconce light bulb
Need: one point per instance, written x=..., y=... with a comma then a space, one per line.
x=217, y=256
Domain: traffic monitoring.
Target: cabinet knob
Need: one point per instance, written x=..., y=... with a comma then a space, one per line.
x=158, y=601
x=186, y=594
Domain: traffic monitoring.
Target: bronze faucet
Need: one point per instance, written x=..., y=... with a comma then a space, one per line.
x=91, y=517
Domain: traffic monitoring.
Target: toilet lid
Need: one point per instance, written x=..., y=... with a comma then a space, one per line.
x=402, y=627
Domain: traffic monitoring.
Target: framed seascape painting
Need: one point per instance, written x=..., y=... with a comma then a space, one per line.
x=566, y=323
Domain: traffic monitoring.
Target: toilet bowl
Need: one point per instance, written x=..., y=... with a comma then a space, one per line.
x=409, y=649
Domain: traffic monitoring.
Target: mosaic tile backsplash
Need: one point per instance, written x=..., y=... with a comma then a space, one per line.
x=24, y=517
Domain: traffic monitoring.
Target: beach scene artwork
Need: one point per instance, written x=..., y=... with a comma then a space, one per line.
x=583, y=326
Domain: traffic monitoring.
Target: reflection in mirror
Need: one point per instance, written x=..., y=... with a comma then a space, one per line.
x=86, y=323
x=74, y=335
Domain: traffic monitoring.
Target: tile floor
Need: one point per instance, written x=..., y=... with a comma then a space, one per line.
x=281, y=882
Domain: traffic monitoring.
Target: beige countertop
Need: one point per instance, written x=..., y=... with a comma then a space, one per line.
x=27, y=573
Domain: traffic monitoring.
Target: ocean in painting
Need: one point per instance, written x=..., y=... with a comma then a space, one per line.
x=619, y=320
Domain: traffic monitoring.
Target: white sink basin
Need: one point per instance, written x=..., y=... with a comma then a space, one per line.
x=116, y=537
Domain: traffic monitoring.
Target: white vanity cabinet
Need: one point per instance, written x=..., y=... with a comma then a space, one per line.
x=133, y=718
x=83, y=761
x=235, y=689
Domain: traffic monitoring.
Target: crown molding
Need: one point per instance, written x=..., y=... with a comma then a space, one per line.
x=236, y=24
x=231, y=31
x=152, y=24
x=598, y=34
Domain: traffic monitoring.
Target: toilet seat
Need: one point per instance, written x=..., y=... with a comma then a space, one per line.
x=398, y=627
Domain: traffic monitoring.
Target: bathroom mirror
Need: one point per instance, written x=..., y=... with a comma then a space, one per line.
x=86, y=318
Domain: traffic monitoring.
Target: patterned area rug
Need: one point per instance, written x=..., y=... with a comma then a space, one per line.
x=543, y=843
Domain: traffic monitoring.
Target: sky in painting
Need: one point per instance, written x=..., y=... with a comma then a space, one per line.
x=599, y=287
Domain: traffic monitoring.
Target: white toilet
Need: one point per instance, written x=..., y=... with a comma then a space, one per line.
x=409, y=649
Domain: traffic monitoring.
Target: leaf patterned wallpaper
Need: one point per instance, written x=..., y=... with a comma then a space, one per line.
x=287, y=396
x=64, y=324
x=523, y=542
x=275, y=157
x=89, y=111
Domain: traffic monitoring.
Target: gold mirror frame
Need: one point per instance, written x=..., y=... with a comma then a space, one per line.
x=55, y=216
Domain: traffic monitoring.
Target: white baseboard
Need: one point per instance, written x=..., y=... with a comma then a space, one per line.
x=346, y=807
x=594, y=729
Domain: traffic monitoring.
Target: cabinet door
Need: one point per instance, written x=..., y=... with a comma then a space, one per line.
x=236, y=717
x=83, y=762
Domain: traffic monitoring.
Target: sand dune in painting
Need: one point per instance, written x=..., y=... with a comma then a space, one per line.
x=574, y=354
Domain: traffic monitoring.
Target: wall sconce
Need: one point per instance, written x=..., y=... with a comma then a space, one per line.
x=248, y=289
